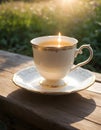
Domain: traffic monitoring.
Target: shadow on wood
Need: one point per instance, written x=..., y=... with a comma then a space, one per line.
x=49, y=112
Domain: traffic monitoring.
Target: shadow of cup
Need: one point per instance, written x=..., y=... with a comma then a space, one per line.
x=51, y=111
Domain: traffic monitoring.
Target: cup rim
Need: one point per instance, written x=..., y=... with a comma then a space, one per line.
x=40, y=39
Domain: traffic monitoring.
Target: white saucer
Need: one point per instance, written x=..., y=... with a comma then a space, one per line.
x=79, y=79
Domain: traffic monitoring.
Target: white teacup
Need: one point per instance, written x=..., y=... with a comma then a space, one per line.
x=54, y=57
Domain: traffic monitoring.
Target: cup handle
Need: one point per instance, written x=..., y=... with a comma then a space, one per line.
x=79, y=51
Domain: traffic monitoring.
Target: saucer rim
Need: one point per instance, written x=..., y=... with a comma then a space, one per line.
x=51, y=92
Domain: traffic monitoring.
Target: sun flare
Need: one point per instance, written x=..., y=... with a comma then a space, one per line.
x=69, y=1
x=59, y=39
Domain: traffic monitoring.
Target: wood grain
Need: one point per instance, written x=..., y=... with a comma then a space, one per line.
x=98, y=77
x=13, y=62
x=80, y=110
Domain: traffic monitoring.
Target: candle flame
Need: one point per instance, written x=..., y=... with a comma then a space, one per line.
x=59, y=39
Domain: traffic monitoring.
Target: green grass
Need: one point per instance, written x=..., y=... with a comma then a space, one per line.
x=21, y=21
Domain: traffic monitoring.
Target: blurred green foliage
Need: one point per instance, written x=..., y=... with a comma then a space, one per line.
x=21, y=21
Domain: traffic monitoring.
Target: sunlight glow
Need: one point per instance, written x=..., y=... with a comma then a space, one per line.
x=68, y=1
x=59, y=39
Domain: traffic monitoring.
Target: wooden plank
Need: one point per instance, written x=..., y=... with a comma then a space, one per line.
x=6, y=84
x=98, y=77
x=58, y=110
x=96, y=88
x=88, y=94
x=13, y=62
x=74, y=111
x=49, y=118
x=13, y=123
x=88, y=125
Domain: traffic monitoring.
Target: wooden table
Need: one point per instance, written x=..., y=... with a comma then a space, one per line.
x=80, y=110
